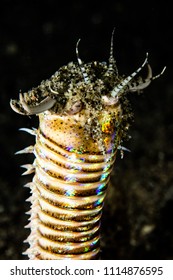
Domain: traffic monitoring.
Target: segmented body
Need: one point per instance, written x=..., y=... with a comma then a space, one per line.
x=68, y=192
x=84, y=117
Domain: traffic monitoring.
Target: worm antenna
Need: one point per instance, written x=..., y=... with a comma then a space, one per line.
x=161, y=73
x=112, y=63
x=140, y=85
x=143, y=84
x=82, y=68
x=120, y=87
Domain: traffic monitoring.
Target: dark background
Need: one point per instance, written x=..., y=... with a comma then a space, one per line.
x=36, y=38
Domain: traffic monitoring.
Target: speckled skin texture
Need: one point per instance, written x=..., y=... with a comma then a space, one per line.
x=70, y=131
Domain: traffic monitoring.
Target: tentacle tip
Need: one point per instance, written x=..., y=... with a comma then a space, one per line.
x=146, y=58
x=161, y=73
x=77, y=45
x=113, y=31
x=163, y=70
x=78, y=41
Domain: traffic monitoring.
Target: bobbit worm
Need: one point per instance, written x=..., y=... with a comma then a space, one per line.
x=84, y=116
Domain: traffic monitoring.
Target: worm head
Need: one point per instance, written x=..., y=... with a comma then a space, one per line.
x=91, y=96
